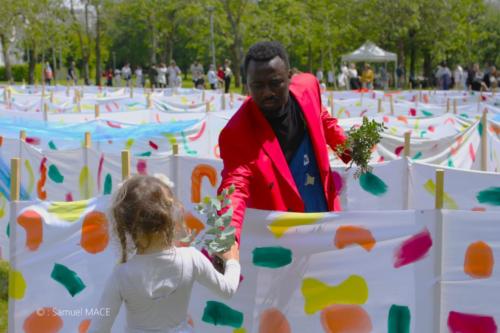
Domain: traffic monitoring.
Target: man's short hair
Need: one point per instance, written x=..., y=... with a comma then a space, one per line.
x=265, y=51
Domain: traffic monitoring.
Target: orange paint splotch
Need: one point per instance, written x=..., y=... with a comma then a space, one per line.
x=44, y=320
x=32, y=223
x=95, y=232
x=273, y=321
x=193, y=223
x=479, y=260
x=84, y=326
x=349, y=235
x=340, y=318
x=201, y=170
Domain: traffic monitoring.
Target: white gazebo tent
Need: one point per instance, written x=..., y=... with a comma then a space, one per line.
x=369, y=52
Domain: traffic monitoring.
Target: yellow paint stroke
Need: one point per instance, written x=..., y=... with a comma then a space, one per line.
x=17, y=285
x=2, y=208
x=68, y=211
x=319, y=295
x=417, y=124
x=129, y=144
x=86, y=188
x=393, y=130
x=289, y=220
x=448, y=201
x=31, y=176
x=171, y=138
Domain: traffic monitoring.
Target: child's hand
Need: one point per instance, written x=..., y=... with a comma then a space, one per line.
x=233, y=253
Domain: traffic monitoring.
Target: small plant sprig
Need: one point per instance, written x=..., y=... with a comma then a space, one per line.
x=360, y=142
x=220, y=235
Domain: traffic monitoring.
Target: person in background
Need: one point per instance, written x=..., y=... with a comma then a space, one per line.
x=475, y=78
x=330, y=78
x=139, y=78
x=212, y=77
x=72, y=75
x=162, y=76
x=228, y=73
x=367, y=77
x=490, y=78
x=109, y=77
x=153, y=76
x=118, y=77
x=319, y=75
x=458, y=78
x=353, y=77
x=174, y=75
x=197, y=74
x=344, y=77
x=48, y=74
x=220, y=76
x=127, y=74
x=154, y=278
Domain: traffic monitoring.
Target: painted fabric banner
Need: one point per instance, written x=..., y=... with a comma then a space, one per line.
x=332, y=264
x=471, y=282
x=463, y=189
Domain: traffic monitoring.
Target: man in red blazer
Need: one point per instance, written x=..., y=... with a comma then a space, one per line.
x=274, y=147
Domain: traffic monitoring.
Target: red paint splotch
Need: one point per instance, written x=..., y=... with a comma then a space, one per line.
x=413, y=249
x=470, y=323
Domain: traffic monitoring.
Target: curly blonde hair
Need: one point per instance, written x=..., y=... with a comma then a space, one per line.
x=142, y=207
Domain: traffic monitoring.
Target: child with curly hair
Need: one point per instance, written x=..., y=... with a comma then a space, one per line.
x=155, y=283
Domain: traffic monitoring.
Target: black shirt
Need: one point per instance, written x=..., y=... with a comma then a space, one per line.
x=289, y=127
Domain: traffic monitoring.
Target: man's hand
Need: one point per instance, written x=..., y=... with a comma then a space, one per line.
x=233, y=253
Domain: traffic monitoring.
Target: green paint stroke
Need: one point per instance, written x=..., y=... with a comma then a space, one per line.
x=319, y=295
x=68, y=278
x=417, y=155
x=219, y=314
x=145, y=154
x=52, y=145
x=372, y=184
x=450, y=163
x=55, y=175
x=271, y=257
x=490, y=196
x=480, y=128
x=108, y=184
x=7, y=230
x=427, y=113
x=399, y=319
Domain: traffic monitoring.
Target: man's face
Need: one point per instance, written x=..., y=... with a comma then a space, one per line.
x=268, y=83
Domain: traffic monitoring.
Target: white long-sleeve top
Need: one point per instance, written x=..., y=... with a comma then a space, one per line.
x=156, y=289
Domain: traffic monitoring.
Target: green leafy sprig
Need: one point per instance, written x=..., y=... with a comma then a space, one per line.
x=220, y=235
x=360, y=142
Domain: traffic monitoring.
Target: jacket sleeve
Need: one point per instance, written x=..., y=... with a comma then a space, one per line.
x=334, y=134
x=236, y=172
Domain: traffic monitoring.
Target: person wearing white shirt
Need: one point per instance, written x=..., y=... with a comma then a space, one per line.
x=155, y=283
x=139, y=77
x=212, y=77
x=174, y=73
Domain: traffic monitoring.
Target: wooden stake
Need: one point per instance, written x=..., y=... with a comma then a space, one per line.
x=207, y=107
x=22, y=135
x=484, y=141
x=175, y=149
x=455, y=106
x=125, y=164
x=15, y=169
x=223, y=101
x=391, y=100
x=439, y=188
x=447, y=105
x=52, y=97
x=379, y=105
x=149, y=103
x=88, y=141
x=131, y=91
x=67, y=89
x=45, y=112
x=406, y=150
x=97, y=111
x=203, y=96
x=332, y=104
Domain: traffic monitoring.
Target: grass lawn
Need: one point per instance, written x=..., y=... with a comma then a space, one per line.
x=4, y=287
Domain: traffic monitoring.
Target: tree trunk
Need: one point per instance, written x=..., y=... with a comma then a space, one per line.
x=32, y=63
x=401, y=59
x=5, y=53
x=236, y=60
x=428, y=67
x=413, y=54
x=309, y=57
x=154, y=43
x=98, y=47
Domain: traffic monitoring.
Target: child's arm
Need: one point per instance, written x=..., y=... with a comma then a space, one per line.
x=110, y=301
x=223, y=285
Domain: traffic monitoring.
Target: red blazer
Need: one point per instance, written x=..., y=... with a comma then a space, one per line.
x=255, y=164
